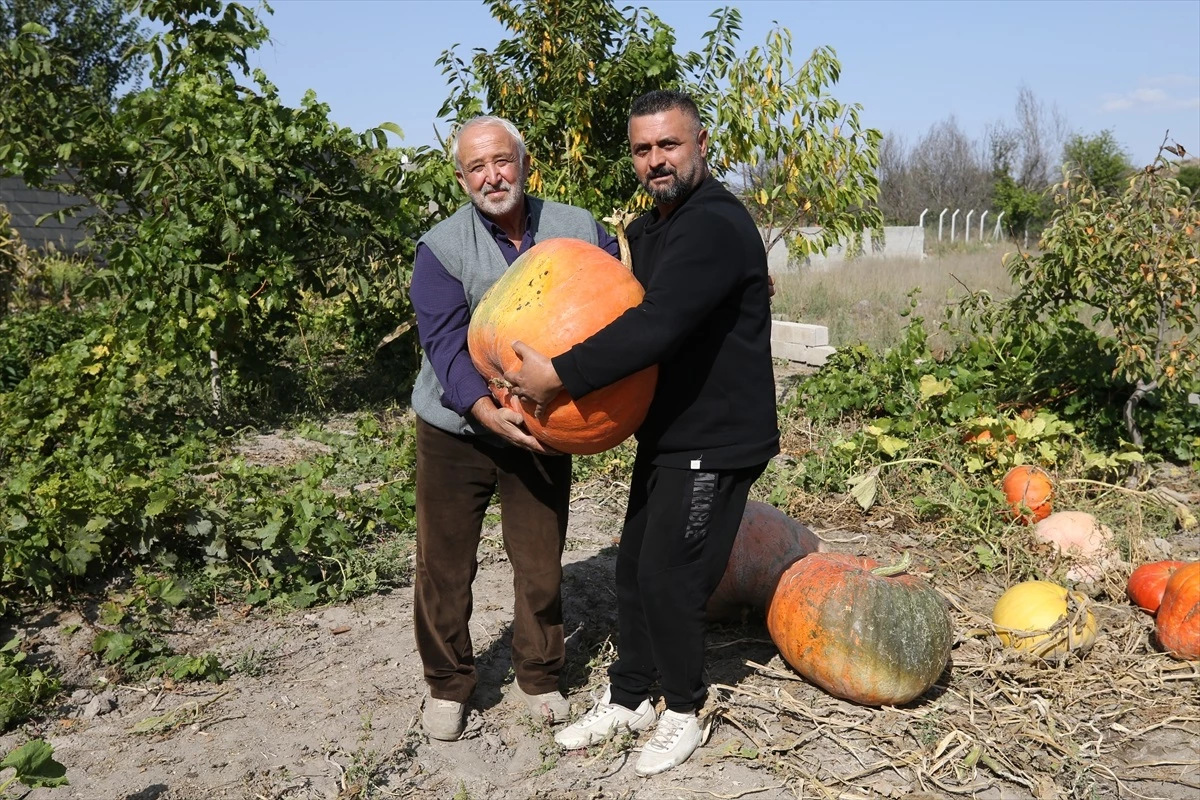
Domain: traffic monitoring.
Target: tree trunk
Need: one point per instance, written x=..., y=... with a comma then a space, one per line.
x=1135, y=435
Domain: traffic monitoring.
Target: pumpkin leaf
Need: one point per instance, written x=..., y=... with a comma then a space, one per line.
x=932, y=387
x=890, y=444
x=863, y=488
x=35, y=766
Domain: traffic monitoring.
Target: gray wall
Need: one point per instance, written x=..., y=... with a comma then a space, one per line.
x=896, y=242
x=26, y=205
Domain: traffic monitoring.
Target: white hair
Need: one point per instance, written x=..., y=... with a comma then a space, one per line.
x=475, y=122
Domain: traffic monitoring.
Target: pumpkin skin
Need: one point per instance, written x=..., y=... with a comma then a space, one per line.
x=1029, y=492
x=556, y=294
x=1035, y=606
x=768, y=542
x=1178, y=622
x=863, y=637
x=1149, y=581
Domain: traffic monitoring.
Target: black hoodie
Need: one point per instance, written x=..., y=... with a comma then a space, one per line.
x=706, y=321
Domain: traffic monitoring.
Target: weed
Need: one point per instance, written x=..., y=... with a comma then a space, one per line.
x=253, y=663
x=22, y=690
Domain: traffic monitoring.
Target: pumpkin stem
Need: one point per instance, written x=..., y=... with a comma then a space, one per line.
x=619, y=219
x=895, y=569
x=501, y=382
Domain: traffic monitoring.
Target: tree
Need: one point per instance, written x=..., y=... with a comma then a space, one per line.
x=811, y=161
x=97, y=35
x=1133, y=259
x=566, y=77
x=1027, y=150
x=570, y=71
x=945, y=169
x=1100, y=159
x=1023, y=157
x=220, y=209
x=1189, y=177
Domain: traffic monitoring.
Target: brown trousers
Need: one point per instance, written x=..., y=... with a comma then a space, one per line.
x=456, y=477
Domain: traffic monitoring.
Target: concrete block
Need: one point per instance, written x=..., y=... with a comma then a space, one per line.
x=817, y=356
x=799, y=333
x=790, y=350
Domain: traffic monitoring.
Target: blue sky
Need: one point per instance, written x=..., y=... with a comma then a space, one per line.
x=1131, y=67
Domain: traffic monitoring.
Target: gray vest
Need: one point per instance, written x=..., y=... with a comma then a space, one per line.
x=469, y=252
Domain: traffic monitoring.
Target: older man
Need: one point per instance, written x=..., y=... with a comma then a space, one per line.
x=467, y=445
x=711, y=429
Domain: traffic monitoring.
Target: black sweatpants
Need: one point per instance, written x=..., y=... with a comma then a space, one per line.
x=678, y=534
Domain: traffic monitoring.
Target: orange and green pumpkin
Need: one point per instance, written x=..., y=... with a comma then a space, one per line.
x=555, y=295
x=858, y=631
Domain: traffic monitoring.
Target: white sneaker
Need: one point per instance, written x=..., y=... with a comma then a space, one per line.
x=676, y=738
x=605, y=720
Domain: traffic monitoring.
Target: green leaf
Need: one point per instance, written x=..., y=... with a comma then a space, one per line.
x=890, y=444
x=932, y=387
x=35, y=766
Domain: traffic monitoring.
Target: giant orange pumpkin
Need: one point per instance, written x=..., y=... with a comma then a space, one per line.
x=556, y=294
x=862, y=635
x=768, y=542
x=1149, y=581
x=1178, y=622
x=1029, y=492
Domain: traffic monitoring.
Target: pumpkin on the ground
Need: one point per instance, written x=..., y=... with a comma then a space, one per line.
x=1082, y=538
x=768, y=542
x=1177, y=624
x=556, y=294
x=1029, y=492
x=868, y=636
x=1043, y=619
x=1149, y=581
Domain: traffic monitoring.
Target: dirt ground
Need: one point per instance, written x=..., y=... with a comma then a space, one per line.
x=326, y=705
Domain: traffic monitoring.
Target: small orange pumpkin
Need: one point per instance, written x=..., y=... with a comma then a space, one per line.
x=1178, y=621
x=1029, y=492
x=768, y=542
x=1149, y=581
x=556, y=294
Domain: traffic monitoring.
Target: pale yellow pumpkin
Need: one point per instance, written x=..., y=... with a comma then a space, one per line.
x=1027, y=614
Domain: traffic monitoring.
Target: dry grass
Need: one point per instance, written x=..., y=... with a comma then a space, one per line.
x=862, y=301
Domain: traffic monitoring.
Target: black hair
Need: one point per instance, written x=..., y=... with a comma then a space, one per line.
x=660, y=100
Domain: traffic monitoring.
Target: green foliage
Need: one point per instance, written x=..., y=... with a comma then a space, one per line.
x=94, y=34
x=133, y=641
x=1189, y=177
x=566, y=78
x=1021, y=207
x=34, y=766
x=1037, y=390
x=1131, y=261
x=1098, y=158
x=21, y=689
x=30, y=338
x=572, y=67
x=808, y=158
x=246, y=245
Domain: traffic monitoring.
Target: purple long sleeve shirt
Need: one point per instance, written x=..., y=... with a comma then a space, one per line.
x=443, y=315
